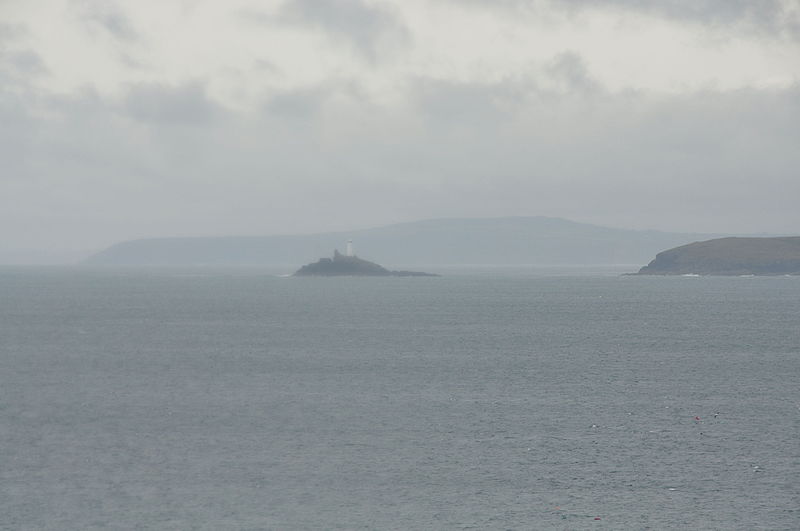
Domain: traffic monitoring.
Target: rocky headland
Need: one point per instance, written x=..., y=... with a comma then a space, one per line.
x=730, y=256
x=341, y=265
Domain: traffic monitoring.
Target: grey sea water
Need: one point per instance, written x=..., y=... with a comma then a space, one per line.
x=484, y=399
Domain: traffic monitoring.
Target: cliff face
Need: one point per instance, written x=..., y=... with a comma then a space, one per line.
x=730, y=256
x=341, y=265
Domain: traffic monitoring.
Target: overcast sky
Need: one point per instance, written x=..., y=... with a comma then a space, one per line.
x=145, y=118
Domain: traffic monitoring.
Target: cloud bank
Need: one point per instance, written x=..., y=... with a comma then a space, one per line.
x=368, y=113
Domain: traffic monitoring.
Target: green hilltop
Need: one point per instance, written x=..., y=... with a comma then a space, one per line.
x=730, y=256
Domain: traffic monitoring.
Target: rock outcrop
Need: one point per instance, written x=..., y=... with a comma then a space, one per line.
x=341, y=265
x=730, y=256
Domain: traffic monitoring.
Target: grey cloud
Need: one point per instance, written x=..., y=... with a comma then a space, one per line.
x=706, y=11
x=370, y=29
x=79, y=171
x=712, y=161
x=186, y=104
x=264, y=65
x=464, y=103
x=11, y=32
x=694, y=160
x=767, y=16
x=456, y=102
x=303, y=103
x=17, y=133
x=308, y=102
x=26, y=61
x=130, y=62
x=779, y=18
x=109, y=16
x=118, y=25
x=13, y=54
x=570, y=70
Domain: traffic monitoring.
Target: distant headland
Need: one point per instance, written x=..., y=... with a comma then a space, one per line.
x=351, y=265
x=730, y=256
x=468, y=241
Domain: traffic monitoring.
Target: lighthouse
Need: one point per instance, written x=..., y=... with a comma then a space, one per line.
x=349, y=248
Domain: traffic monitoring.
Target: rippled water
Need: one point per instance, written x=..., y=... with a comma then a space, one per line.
x=494, y=399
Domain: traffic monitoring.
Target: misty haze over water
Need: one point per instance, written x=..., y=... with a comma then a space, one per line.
x=489, y=241
x=126, y=120
x=166, y=166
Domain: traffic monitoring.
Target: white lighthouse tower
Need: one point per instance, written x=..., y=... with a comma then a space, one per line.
x=349, y=248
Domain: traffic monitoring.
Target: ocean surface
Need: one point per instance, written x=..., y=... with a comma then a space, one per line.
x=505, y=398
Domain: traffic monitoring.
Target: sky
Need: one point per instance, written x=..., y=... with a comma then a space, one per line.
x=155, y=118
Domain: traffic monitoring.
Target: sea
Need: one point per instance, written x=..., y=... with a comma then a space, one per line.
x=488, y=398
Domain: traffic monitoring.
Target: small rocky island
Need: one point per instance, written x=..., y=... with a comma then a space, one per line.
x=341, y=265
x=730, y=256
